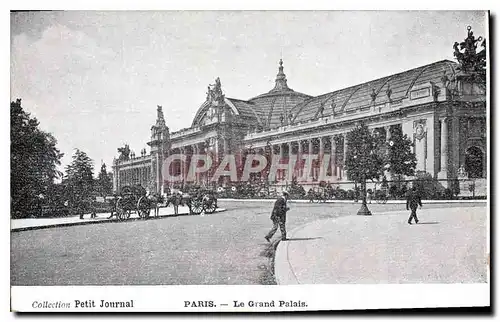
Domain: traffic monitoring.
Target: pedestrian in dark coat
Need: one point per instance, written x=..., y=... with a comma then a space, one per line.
x=278, y=217
x=412, y=202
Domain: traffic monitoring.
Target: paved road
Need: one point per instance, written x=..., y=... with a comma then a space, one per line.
x=223, y=248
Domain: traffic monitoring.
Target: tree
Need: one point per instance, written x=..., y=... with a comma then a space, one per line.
x=34, y=159
x=104, y=184
x=363, y=162
x=79, y=177
x=401, y=161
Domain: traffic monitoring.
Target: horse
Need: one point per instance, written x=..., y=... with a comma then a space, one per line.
x=155, y=200
x=177, y=199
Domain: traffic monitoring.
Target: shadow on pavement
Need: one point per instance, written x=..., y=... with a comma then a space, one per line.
x=269, y=248
x=309, y=238
x=266, y=276
x=428, y=223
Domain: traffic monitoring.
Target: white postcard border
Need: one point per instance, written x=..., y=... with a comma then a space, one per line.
x=212, y=298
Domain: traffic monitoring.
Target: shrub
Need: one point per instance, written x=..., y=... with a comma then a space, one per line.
x=379, y=194
x=448, y=194
x=340, y=194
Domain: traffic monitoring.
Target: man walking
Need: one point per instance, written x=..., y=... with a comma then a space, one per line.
x=278, y=216
x=412, y=202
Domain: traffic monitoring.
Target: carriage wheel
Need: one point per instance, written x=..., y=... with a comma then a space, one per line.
x=143, y=208
x=121, y=212
x=197, y=207
x=210, y=207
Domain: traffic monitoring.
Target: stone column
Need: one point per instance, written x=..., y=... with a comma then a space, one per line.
x=387, y=138
x=443, y=173
x=321, y=142
x=197, y=175
x=290, y=146
x=299, y=159
x=310, y=151
x=333, y=153
x=282, y=154
x=454, y=154
x=157, y=173
x=344, y=173
x=183, y=165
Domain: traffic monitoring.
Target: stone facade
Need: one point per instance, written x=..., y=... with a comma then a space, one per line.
x=437, y=107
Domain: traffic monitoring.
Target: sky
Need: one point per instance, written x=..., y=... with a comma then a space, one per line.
x=94, y=79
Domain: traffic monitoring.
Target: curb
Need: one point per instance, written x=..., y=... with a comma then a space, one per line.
x=104, y=220
x=354, y=202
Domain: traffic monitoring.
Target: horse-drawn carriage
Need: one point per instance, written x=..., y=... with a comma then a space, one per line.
x=133, y=199
x=197, y=200
x=204, y=201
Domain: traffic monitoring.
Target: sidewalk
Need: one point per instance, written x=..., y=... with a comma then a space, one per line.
x=447, y=246
x=40, y=223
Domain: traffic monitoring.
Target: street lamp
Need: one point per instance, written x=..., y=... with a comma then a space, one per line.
x=363, y=211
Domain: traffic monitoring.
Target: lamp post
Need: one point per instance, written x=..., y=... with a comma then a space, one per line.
x=363, y=211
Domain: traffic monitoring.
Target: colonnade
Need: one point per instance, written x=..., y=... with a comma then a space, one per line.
x=336, y=145
x=138, y=175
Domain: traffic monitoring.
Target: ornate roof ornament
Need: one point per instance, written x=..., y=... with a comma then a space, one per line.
x=321, y=109
x=445, y=80
x=214, y=94
x=160, y=119
x=281, y=84
x=373, y=95
x=333, y=105
x=471, y=62
x=388, y=92
x=124, y=153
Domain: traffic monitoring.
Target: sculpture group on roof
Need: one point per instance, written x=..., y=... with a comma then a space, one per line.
x=124, y=153
x=214, y=93
x=471, y=61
